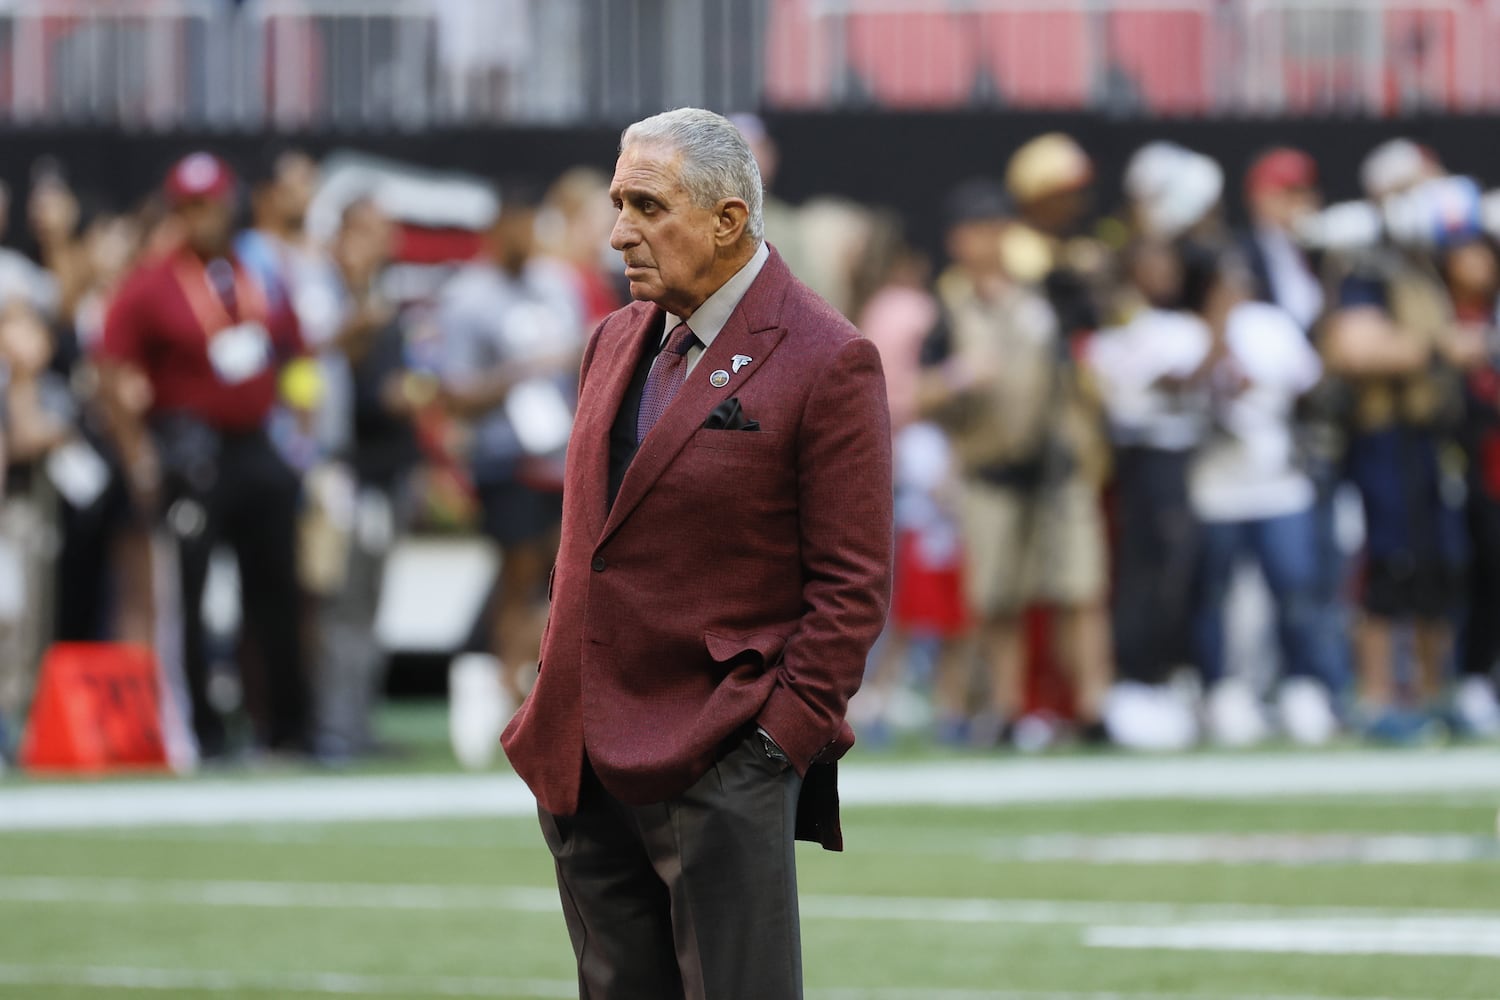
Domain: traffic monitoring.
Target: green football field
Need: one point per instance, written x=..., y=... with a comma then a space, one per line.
x=1044, y=887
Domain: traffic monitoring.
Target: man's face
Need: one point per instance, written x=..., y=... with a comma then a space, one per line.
x=975, y=245
x=364, y=242
x=1284, y=208
x=668, y=242
x=296, y=183
x=514, y=237
x=1059, y=213
x=207, y=223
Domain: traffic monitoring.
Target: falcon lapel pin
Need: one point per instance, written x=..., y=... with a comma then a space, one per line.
x=739, y=361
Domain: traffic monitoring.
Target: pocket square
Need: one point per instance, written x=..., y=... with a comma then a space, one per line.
x=728, y=416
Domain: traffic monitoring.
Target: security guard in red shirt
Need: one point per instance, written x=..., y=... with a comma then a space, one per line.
x=189, y=360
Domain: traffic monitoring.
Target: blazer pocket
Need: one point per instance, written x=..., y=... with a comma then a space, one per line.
x=728, y=647
x=738, y=442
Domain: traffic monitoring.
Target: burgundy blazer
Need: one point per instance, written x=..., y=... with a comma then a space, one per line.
x=740, y=578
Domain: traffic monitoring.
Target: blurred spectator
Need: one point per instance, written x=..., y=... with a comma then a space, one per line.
x=275, y=251
x=53, y=213
x=1281, y=189
x=898, y=316
x=1470, y=266
x=21, y=280
x=274, y=247
x=783, y=222
x=835, y=232
x=1031, y=524
x=1051, y=179
x=1281, y=194
x=1391, y=338
x=573, y=227
x=1253, y=500
x=371, y=498
x=39, y=413
x=1396, y=166
x=1153, y=373
x=190, y=357
x=512, y=326
x=33, y=425
x=103, y=585
x=1173, y=192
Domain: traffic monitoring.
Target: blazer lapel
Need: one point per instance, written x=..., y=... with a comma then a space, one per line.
x=592, y=426
x=754, y=331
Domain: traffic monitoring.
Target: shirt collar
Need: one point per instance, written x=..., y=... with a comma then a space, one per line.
x=709, y=318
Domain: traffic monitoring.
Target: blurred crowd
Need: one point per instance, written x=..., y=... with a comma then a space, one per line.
x=202, y=387
x=1122, y=426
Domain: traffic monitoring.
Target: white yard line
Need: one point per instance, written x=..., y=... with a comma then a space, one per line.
x=136, y=892
x=1282, y=849
x=343, y=984
x=201, y=981
x=973, y=783
x=1471, y=938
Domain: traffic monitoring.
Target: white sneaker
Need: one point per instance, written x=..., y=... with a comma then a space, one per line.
x=1234, y=716
x=1305, y=712
x=1146, y=717
x=478, y=709
x=1034, y=733
x=1477, y=707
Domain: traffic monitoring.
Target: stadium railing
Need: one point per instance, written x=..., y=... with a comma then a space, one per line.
x=415, y=64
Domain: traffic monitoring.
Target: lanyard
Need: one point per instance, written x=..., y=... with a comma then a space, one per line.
x=207, y=304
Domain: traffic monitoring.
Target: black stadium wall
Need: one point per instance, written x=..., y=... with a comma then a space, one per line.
x=905, y=162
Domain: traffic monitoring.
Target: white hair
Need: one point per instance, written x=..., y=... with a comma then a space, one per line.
x=716, y=160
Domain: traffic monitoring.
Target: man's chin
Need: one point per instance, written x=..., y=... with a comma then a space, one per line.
x=644, y=292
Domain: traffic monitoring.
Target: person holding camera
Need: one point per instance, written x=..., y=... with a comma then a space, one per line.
x=1029, y=514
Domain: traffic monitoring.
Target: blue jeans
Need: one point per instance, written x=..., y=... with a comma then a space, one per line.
x=1286, y=550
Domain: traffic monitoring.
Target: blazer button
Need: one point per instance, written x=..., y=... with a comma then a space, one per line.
x=599, y=564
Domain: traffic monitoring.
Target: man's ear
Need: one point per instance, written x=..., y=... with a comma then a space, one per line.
x=730, y=219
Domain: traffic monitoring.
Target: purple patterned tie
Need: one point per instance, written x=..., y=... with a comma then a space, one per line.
x=667, y=374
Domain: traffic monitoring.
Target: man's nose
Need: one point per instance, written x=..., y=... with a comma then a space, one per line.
x=623, y=234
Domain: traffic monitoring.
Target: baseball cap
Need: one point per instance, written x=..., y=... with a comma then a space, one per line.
x=1172, y=187
x=1396, y=165
x=1049, y=164
x=1281, y=169
x=199, y=176
x=977, y=200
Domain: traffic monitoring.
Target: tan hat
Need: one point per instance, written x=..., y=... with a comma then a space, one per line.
x=1049, y=164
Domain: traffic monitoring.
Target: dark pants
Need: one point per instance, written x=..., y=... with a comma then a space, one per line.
x=1481, y=646
x=1286, y=550
x=694, y=898
x=1332, y=590
x=1155, y=563
x=250, y=504
x=85, y=581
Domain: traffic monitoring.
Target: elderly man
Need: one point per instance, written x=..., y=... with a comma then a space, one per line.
x=724, y=570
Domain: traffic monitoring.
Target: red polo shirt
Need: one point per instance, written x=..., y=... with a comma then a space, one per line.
x=153, y=325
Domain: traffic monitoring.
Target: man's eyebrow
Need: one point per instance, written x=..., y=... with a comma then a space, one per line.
x=636, y=194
